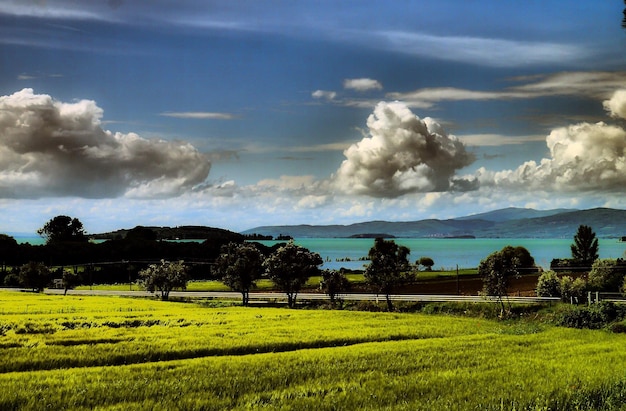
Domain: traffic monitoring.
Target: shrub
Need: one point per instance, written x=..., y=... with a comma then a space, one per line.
x=548, y=285
x=572, y=289
x=607, y=275
x=427, y=262
x=593, y=317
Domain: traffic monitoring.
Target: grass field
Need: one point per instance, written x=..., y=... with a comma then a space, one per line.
x=266, y=285
x=123, y=354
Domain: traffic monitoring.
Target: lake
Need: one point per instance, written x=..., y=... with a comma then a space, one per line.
x=446, y=252
x=449, y=252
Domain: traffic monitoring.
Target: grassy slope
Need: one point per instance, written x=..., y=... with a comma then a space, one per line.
x=69, y=353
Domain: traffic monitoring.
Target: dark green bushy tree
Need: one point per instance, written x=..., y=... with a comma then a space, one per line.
x=389, y=267
x=500, y=267
x=238, y=266
x=62, y=229
x=572, y=289
x=35, y=276
x=290, y=267
x=426, y=262
x=334, y=282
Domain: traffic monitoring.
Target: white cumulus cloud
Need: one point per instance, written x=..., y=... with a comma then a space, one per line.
x=362, y=84
x=403, y=154
x=616, y=105
x=324, y=94
x=583, y=157
x=50, y=148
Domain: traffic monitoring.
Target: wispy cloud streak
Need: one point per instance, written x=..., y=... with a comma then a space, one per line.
x=200, y=115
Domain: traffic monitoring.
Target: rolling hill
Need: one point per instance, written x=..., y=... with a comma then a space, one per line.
x=505, y=223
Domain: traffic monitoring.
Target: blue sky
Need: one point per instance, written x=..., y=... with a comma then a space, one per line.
x=237, y=114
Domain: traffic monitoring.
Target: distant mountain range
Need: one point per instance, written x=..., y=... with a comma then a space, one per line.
x=504, y=223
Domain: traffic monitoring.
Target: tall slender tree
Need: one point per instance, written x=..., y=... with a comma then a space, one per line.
x=585, y=246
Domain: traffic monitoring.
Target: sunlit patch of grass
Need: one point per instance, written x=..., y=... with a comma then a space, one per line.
x=168, y=355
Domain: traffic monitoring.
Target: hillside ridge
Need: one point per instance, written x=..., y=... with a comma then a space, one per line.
x=505, y=223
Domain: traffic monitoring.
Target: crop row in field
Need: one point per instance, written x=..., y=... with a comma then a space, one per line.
x=66, y=352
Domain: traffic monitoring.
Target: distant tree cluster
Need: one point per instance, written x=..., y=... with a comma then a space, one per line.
x=290, y=266
x=79, y=261
x=586, y=271
x=239, y=265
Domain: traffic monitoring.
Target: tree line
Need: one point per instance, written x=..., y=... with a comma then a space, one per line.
x=67, y=247
x=163, y=266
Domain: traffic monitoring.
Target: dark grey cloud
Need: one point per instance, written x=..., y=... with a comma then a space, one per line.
x=51, y=148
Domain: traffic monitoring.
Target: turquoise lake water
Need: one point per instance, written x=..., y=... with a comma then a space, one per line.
x=446, y=253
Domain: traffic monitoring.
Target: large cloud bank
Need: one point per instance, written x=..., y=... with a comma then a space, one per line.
x=583, y=157
x=51, y=148
x=403, y=154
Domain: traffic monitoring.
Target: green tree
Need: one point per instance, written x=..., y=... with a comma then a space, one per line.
x=334, y=282
x=500, y=267
x=426, y=262
x=164, y=277
x=548, y=285
x=9, y=252
x=141, y=233
x=585, y=246
x=35, y=276
x=238, y=266
x=69, y=280
x=606, y=275
x=290, y=267
x=388, y=268
x=571, y=289
x=62, y=229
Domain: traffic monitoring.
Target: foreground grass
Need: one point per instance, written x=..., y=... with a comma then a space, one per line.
x=113, y=353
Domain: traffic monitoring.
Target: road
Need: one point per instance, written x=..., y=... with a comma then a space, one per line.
x=280, y=297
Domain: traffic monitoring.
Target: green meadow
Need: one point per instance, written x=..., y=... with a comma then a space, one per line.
x=266, y=284
x=110, y=353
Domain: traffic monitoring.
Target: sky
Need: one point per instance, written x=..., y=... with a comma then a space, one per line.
x=238, y=114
